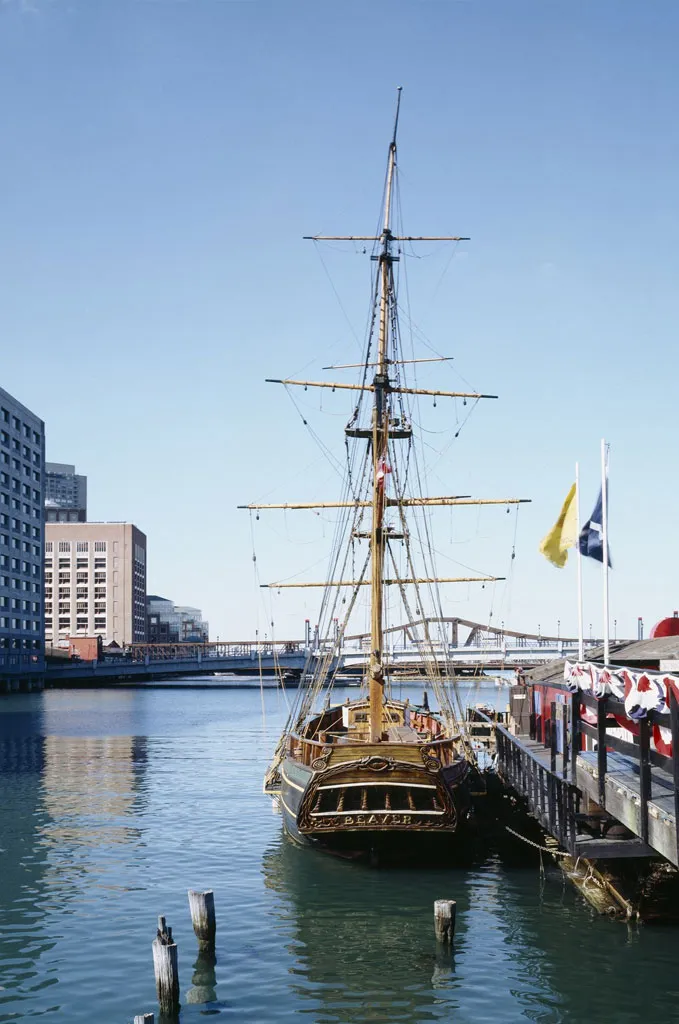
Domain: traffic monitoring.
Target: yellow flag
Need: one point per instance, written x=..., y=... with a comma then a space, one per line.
x=561, y=537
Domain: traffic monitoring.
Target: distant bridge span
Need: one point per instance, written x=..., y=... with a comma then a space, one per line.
x=485, y=648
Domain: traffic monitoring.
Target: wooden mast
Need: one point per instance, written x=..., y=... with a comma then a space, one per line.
x=380, y=435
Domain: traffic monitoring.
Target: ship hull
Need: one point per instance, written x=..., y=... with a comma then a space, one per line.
x=399, y=835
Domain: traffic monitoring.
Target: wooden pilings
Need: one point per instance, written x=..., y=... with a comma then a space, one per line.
x=444, y=920
x=202, y=906
x=166, y=970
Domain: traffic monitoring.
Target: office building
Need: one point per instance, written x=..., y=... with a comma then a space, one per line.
x=170, y=623
x=22, y=468
x=95, y=582
x=65, y=494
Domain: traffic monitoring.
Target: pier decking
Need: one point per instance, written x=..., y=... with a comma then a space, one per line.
x=593, y=778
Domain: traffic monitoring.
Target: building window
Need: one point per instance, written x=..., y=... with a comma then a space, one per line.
x=82, y=545
x=49, y=545
x=81, y=577
x=81, y=563
x=64, y=563
x=100, y=545
x=64, y=545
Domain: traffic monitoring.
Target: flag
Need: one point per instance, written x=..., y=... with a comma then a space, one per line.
x=562, y=535
x=382, y=470
x=592, y=534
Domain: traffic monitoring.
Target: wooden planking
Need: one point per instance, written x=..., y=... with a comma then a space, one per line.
x=623, y=799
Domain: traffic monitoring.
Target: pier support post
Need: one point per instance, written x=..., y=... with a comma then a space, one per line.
x=552, y=737
x=166, y=970
x=576, y=741
x=674, y=719
x=644, y=776
x=564, y=740
x=602, y=712
x=444, y=920
x=202, y=906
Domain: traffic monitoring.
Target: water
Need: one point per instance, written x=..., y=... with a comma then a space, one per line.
x=113, y=803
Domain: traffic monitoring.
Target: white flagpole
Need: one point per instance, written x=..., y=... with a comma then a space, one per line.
x=604, y=530
x=578, y=555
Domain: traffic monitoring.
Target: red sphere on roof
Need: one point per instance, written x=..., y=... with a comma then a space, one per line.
x=666, y=627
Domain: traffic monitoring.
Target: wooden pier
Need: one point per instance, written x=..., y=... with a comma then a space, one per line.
x=593, y=779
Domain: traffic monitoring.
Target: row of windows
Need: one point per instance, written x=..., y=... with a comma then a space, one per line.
x=80, y=563
x=23, y=428
x=25, y=624
x=16, y=604
x=19, y=566
x=15, y=642
x=14, y=584
x=19, y=545
x=78, y=545
x=65, y=622
x=19, y=527
x=35, y=512
x=17, y=467
x=15, y=463
x=15, y=484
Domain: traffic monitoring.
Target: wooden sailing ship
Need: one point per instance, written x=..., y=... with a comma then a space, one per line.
x=378, y=776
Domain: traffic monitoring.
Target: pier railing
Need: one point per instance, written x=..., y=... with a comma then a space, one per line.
x=582, y=765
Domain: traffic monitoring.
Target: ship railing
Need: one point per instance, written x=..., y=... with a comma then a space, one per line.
x=305, y=750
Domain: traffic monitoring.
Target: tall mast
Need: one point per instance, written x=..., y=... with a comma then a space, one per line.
x=380, y=436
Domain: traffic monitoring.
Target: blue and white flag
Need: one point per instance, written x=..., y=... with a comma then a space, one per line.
x=592, y=535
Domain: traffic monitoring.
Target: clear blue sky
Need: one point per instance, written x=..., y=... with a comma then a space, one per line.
x=160, y=163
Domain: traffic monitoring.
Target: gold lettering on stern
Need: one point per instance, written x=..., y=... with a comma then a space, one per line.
x=351, y=821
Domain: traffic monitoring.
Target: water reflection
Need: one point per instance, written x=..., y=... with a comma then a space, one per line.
x=203, y=980
x=362, y=944
x=66, y=802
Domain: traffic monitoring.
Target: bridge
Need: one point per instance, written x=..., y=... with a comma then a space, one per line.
x=484, y=648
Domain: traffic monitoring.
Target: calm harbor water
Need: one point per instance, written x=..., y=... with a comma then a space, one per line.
x=113, y=803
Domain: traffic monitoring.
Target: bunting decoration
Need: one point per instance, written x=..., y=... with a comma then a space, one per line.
x=640, y=692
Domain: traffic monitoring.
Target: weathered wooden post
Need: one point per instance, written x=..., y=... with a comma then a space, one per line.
x=144, y=1018
x=166, y=970
x=674, y=719
x=576, y=741
x=644, y=776
x=602, y=761
x=564, y=740
x=202, y=906
x=553, y=737
x=444, y=920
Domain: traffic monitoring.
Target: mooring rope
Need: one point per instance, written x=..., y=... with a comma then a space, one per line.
x=543, y=849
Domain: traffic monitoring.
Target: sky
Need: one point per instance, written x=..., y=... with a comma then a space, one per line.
x=161, y=161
